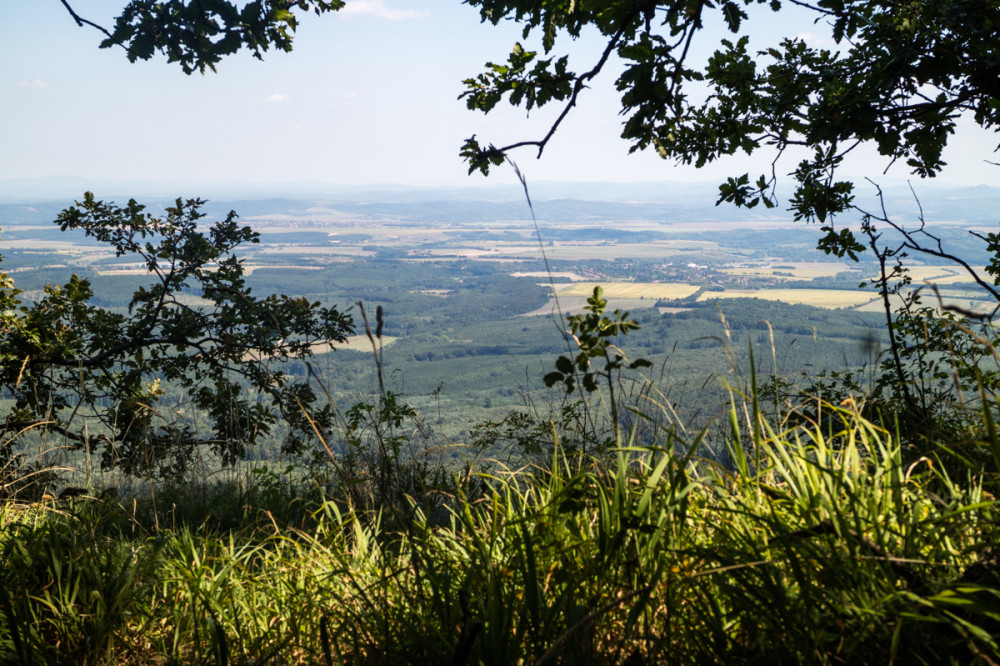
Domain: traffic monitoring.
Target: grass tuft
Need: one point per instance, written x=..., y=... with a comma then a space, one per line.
x=822, y=545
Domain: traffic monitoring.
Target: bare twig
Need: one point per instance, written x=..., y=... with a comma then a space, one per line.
x=80, y=21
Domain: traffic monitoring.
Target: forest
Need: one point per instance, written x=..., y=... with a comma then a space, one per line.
x=385, y=427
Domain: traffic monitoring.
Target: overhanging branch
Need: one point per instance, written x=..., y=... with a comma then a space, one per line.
x=577, y=89
x=80, y=21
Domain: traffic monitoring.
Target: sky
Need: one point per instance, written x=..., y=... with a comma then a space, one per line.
x=368, y=95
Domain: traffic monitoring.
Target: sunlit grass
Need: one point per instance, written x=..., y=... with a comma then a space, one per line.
x=820, y=543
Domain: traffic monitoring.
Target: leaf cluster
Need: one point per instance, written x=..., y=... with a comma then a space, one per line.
x=900, y=75
x=197, y=34
x=98, y=376
x=594, y=334
x=534, y=87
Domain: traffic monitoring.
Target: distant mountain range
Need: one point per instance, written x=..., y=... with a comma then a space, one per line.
x=57, y=187
x=38, y=201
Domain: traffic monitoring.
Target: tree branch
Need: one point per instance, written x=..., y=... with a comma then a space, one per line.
x=913, y=244
x=814, y=8
x=82, y=21
x=577, y=89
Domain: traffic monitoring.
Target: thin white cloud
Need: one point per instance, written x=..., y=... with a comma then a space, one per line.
x=351, y=95
x=816, y=41
x=35, y=84
x=378, y=9
x=278, y=98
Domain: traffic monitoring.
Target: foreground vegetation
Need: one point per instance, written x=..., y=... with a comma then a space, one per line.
x=823, y=542
x=855, y=530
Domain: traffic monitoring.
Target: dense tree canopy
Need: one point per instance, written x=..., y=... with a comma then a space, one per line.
x=199, y=34
x=900, y=76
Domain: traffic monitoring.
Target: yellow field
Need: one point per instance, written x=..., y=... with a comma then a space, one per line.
x=347, y=250
x=960, y=276
x=820, y=298
x=963, y=303
x=355, y=343
x=942, y=274
x=649, y=290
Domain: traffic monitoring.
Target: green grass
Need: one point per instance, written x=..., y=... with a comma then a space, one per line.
x=821, y=543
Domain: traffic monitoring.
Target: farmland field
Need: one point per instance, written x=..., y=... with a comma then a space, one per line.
x=574, y=304
x=830, y=299
x=620, y=295
x=802, y=270
x=355, y=343
x=577, y=251
x=942, y=274
x=963, y=303
x=649, y=290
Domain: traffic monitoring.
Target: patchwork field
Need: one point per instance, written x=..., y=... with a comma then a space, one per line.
x=831, y=299
x=793, y=271
x=355, y=343
x=958, y=304
x=942, y=274
x=575, y=304
x=646, y=290
x=579, y=251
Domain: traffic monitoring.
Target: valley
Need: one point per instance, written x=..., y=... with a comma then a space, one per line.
x=475, y=301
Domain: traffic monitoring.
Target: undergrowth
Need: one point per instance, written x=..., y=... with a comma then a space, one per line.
x=823, y=545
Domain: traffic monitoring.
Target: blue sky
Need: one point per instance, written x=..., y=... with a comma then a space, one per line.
x=367, y=96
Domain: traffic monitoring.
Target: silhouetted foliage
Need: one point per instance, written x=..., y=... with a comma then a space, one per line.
x=97, y=376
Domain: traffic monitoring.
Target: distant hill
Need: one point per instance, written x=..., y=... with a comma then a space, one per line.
x=38, y=201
